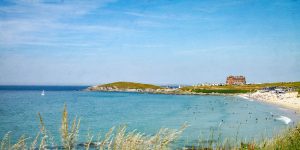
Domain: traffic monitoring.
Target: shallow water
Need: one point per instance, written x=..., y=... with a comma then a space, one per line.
x=99, y=111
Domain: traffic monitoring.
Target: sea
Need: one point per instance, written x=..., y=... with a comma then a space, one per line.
x=209, y=117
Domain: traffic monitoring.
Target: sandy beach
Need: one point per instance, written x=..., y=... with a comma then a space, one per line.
x=287, y=100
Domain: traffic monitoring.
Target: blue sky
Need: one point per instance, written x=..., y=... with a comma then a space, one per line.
x=161, y=41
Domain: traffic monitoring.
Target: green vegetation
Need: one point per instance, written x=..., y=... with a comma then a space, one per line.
x=68, y=137
x=224, y=91
x=129, y=85
x=289, y=140
x=240, y=88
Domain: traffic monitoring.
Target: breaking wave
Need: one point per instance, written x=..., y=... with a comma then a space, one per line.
x=284, y=119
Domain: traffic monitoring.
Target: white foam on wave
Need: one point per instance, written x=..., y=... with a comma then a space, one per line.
x=245, y=97
x=251, y=100
x=284, y=119
x=282, y=108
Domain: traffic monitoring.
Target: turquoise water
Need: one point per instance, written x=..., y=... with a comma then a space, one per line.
x=99, y=111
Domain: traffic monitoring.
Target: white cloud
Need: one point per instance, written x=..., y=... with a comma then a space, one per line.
x=39, y=23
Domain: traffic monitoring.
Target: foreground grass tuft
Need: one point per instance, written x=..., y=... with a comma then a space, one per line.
x=114, y=139
x=290, y=140
x=69, y=138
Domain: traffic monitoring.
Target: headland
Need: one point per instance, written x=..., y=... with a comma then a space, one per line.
x=285, y=94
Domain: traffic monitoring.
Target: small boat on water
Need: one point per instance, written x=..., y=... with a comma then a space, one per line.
x=43, y=93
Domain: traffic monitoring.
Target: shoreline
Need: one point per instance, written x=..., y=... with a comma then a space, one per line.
x=287, y=100
x=170, y=92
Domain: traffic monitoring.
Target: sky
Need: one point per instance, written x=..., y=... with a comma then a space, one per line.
x=87, y=42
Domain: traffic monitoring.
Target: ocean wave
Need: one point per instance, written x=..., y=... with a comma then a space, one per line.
x=284, y=119
x=245, y=97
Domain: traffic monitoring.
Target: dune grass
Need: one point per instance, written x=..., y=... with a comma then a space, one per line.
x=114, y=139
x=121, y=139
x=290, y=140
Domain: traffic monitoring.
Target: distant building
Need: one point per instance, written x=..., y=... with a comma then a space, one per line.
x=235, y=80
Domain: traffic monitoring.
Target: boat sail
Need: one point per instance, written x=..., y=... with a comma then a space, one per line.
x=43, y=93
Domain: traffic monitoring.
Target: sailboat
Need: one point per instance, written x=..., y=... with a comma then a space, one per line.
x=43, y=93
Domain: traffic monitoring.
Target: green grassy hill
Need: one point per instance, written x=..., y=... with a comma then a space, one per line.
x=128, y=85
x=240, y=88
